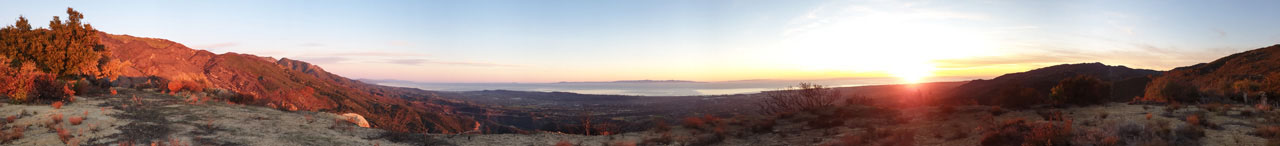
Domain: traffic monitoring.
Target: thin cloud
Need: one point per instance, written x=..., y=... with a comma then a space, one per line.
x=407, y=61
x=453, y=63
x=215, y=46
x=324, y=59
x=311, y=44
x=372, y=54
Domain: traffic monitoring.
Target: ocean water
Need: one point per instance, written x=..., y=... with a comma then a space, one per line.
x=650, y=88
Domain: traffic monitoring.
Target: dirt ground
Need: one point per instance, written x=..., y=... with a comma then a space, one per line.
x=168, y=119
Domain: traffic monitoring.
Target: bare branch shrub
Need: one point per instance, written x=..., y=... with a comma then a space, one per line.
x=805, y=97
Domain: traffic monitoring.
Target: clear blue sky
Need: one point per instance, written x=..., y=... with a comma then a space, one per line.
x=712, y=40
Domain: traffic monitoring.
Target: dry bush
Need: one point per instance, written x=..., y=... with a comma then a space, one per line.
x=805, y=97
x=57, y=118
x=47, y=88
x=1267, y=131
x=1021, y=132
x=1110, y=141
x=17, y=83
x=1149, y=116
x=874, y=136
x=692, y=122
x=623, y=143
x=665, y=139
x=1193, y=120
x=564, y=143
x=661, y=125
x=63, y=134
x=763, y=125
x=75, y=120
x=1171, y=90
x=997, y=111
x=1081, y=90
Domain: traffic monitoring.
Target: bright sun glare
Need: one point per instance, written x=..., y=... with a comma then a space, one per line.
x=890, y=45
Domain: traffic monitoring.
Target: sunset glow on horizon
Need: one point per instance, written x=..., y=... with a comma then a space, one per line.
x=553, y=41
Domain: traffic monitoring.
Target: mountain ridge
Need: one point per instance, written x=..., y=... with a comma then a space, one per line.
x=284, y=83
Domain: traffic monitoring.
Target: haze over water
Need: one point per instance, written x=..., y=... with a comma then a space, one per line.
x=652, y=87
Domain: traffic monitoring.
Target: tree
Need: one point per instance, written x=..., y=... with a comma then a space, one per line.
x=64, y=49
x=805, y=97
x=1171, y=90
x=1081, y=90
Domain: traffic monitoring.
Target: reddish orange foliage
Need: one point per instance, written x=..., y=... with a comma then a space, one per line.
x=63, y=134
x=564, y=143
x=1148, y=116
x=1193, y=120
x=57, y=118
x=693, y=122
x=75, y=120
x=57, y=105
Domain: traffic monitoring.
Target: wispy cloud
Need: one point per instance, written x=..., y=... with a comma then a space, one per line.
x=311, y=44
x=371, y=54
x=454, y=63
x=215, y=46
x=323, y=59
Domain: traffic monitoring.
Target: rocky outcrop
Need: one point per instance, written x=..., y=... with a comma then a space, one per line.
x=356, y=119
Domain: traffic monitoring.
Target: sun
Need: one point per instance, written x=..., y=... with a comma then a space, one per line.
x=912, y=73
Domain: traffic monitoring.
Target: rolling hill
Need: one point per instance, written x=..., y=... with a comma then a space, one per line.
x=1034, y=85
x=284, y=84
x=1259, y=67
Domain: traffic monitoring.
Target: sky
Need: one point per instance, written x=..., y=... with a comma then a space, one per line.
x=706, y=40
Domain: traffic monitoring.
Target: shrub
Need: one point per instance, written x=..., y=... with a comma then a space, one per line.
x=623, y=143
x=75, y=120
x=564, y=143
x=1081, y=90
x=805, y=97
x=57, y=118
x=1193, y=120
x=1189, y=133
x=1171, y=90
x=1267, y=131
x=661, y=125
x=693, y=122
x=47, y=88
x=63, y=134
x=1110, y=141
x=1020, y=132
x=57, y=104
x=763, y=125
x=16, y=83
x=997, y=111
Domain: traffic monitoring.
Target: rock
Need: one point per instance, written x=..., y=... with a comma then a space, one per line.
x=356, y=119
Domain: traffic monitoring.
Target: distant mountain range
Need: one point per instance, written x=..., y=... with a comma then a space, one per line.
x=638, y=81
